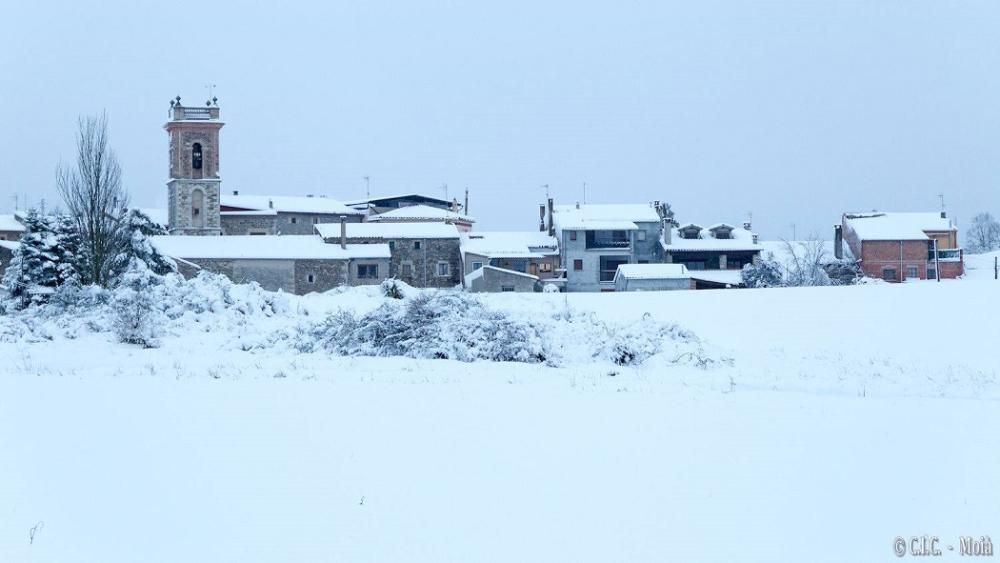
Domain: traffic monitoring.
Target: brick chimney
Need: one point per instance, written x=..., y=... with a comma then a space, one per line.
x=343, y=232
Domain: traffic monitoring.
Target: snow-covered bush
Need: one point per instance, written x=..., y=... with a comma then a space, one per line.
x=634, y=343
x=395, y=289
x=442, y=325
x=765, y=273
x=136, y=317
x=805, y=263
x=550, y=288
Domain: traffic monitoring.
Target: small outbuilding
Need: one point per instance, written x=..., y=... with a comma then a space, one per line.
x=652, y=277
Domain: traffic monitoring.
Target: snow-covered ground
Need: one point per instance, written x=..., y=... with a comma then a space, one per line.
x=831, y=421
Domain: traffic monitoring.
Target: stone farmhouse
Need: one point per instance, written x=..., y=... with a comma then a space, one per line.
x=901, y=246
x=422, y=254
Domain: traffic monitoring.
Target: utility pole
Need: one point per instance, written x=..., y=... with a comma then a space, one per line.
x=937, y=262
x=793, y=232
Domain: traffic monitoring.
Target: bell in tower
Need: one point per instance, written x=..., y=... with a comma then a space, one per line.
x=194, y=186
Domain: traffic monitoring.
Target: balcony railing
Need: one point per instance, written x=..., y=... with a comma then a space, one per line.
x=946, y=255
x=607, y=239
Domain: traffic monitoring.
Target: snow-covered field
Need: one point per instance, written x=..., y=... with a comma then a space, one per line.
x=829, y=421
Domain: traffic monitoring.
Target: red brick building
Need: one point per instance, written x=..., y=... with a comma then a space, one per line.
x=897, y=247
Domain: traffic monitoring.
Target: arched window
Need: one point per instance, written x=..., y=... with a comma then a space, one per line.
x=196, y=156
x=197, y=209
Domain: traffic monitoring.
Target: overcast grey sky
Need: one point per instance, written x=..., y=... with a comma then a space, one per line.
x=792, y=110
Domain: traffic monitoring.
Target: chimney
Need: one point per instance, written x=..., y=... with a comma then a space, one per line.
x=838, y=242
x=541, y=217
x=309, y=195
x=578, y=205
x=746, y=225
x=343, y=232
x=668, y=230
x=270, y=204
x=236, y=192
x=549, y=223
x=944, y=215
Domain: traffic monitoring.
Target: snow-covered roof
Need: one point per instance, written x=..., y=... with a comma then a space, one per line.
x=389, y=230
x=602, y=216
x=739, y=239
x=652, y=271
x=286, y=247
x=9, y=244
x=251, y=212
x=287, y=204
x=420, y=213
x=397, y=196
x=511, y=244
x=10, y=223
x=895, y=226
x=729, y=277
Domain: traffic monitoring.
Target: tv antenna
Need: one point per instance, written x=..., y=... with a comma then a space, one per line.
x=546, y=186
x=941, y=197
x=368, y=187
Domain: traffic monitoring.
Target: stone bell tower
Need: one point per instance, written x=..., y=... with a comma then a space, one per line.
x=194, y=185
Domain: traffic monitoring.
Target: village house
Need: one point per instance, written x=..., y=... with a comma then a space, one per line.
x=653, y=277
x=7, y=248
x=897, y=247
x=281, y=215
x=424, y=214
x=510, y=261
x=715, y=255
x=422, y=254
x=11, y=227
x=594, y=239
x=296, y=264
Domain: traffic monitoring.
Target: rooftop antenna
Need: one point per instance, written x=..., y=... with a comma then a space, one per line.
x=445, y=188
x=941, y=196
x=211, y=94
x=368, y=187
x=546, y=186
x=585, y=192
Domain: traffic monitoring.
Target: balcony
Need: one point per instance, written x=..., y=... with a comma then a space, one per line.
x=608, y=239
x=946, y=255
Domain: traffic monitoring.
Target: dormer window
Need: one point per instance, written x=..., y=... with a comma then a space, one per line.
x=196, y=156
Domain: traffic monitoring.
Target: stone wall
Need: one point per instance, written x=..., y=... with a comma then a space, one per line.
x=248, y=224
x=10, y=235
x=179, y=201
x=304, y=223
x=419, y=266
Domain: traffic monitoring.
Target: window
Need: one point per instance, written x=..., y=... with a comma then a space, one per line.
x=197, y=201
x=311, y=278
x=406, y=269
x=609, y=265
x=476, y=265
x=545, y=267
x=294, y=220
x=196, y=156
x=315, y=220
x=607, y=239
x=507, y=288
x=443, y=269
x=931, y=273
x=572, y=235
x=911, y=272
x=640, y=235
x=416, y=245
x=392, y=245
x=578, y=265
x=643, y=261
x=889, y=274
x=367, y=271
x=257, y=232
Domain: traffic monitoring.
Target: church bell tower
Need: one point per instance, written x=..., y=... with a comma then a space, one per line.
x=194, y=186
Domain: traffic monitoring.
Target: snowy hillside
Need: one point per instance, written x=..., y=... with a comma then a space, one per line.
x=810, y=424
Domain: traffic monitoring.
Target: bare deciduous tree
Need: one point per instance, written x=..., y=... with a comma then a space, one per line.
x=984, y=234
x=805, y=260
x=93, y=193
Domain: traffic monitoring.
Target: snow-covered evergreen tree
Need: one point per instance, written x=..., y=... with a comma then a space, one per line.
x=135, y=245
x=34, y=269
x=137, y=320
x=765, y=273
x=70, y=261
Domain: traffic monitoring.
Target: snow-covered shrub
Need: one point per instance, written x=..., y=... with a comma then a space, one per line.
x=550, y=288
x=634, y=343
x=136, y=317
x=440, y=325
x=843, y=272
x=765, y=273
x=394, y=289
x=805, y=263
